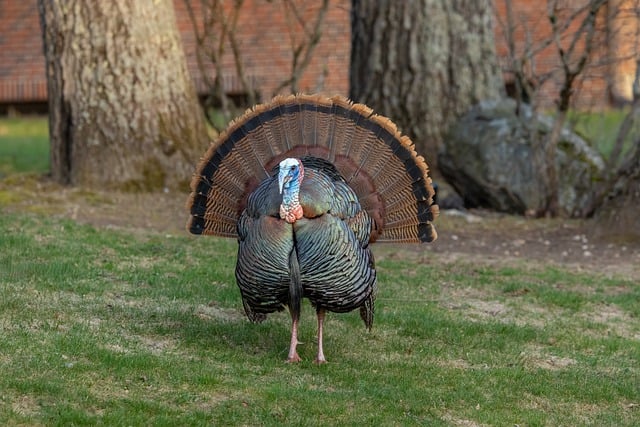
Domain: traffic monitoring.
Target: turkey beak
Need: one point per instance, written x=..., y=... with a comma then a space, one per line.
x=283, y=178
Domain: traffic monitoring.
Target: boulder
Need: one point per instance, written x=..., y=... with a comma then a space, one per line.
x=495, y=159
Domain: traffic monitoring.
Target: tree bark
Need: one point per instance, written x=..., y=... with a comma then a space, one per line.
x=423, y=63
x=618, y=216
x=123, y=109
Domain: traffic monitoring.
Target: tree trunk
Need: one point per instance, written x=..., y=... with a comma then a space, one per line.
x=618, y=217
x=123, y=109
x=423, y=63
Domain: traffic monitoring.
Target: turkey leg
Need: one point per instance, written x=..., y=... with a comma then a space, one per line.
x=320, y=358
x=293, y=354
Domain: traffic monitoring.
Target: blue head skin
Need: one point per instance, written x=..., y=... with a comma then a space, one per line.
x=289, y=178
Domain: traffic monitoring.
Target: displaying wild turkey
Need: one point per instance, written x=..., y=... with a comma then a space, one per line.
x=306, y=183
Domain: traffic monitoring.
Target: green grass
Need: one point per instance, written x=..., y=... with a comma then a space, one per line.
x=128, y=327
x=114, y=327
x=24, y=145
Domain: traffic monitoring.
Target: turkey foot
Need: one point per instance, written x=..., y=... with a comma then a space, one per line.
x=293, y=359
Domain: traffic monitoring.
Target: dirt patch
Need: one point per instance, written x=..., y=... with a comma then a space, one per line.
x=616, y=321
x=212, y=311
x=25, y=405
x=475, y=236
x=489, y=237
x=460, y=422
x=536, y=358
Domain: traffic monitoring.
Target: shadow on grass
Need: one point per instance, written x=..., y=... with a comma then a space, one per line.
x=229, y=335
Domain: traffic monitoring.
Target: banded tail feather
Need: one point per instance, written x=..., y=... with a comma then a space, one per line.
x=380, y=164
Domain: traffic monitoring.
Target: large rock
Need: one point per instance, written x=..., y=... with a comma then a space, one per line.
x=494, y=159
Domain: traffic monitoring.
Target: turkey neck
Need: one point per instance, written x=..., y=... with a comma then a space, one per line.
x=290, y=209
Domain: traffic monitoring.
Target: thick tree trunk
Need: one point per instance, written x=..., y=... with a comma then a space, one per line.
x=423, y=63
x=123, y=110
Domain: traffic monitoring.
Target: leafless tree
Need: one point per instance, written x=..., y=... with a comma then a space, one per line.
x=522, y=60
x=215, y=25
x=618, y=196
x=572, y=36
x=215, y=30
x=574, y=56
x=303, y=46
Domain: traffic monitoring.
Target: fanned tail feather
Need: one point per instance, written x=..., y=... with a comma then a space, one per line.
x=368, y=151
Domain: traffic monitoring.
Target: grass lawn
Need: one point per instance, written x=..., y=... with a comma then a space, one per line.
x=134, y=326
x=24, y=145
x=114, y=327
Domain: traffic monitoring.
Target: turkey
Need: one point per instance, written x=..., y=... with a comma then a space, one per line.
x=306, y=184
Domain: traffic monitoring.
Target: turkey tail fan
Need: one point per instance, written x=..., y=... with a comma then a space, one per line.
x=381, y=165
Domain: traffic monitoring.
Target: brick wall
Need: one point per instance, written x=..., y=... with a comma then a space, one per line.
x=265, y=34
x=22, y=73
x=610, y=74
x=265, y=43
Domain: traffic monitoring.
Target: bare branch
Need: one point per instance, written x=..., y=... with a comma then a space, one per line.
x=573, y=67
x=235, y=48
x=217, y=29
x=303, y=52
